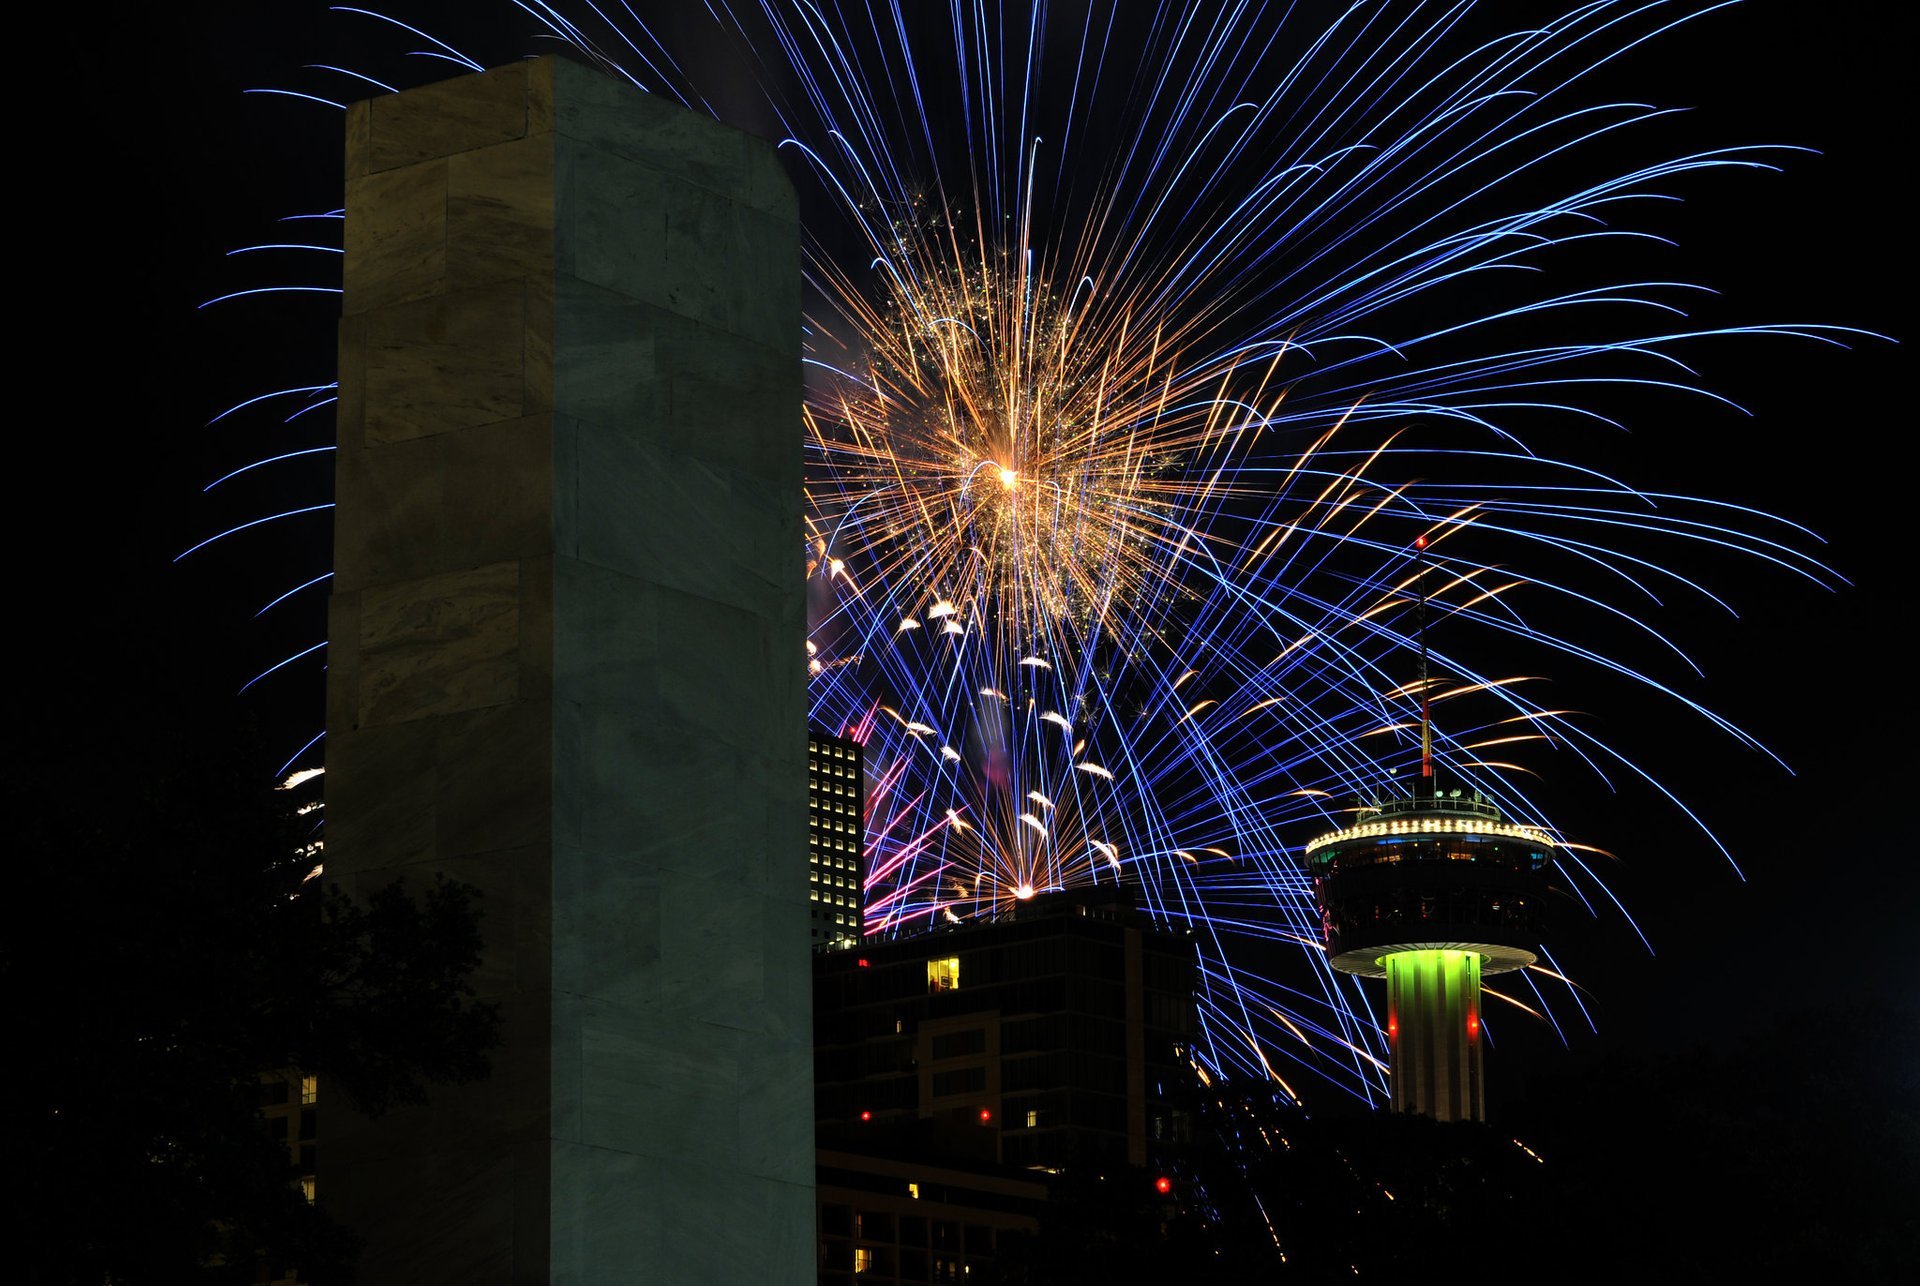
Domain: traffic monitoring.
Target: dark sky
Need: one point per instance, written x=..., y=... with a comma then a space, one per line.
x=180, y=167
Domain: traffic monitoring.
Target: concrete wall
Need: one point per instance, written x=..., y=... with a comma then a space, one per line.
x=566, y=666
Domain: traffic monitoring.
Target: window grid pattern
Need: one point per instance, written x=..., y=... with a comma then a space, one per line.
x=836, y=867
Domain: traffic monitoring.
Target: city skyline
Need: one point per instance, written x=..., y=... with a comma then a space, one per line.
x=1747, y=676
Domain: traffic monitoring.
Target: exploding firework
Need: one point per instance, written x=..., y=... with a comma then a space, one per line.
x=1142, y=351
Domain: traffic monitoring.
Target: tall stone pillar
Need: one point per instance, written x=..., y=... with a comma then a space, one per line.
x=566, y=666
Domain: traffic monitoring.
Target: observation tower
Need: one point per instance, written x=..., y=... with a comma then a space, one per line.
x=1431, y=891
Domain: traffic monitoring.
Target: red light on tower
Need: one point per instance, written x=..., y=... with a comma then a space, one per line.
x=1163, y=1185
x=1473, y=1025
x=1420, y=542
x=863, y=962
x=1393, y=1027
x=986, y=1116
x=866, y=1116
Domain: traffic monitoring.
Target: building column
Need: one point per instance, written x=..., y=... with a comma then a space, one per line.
x=566, y=666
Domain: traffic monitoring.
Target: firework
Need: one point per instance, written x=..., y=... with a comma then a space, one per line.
x=1142, y=350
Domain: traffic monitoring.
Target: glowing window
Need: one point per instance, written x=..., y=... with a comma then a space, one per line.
x=862, y=1259
x=943, y=975
x=307, y=1188
x=309, y=1089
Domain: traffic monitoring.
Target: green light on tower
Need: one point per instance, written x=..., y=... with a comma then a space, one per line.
x=1433, y=1023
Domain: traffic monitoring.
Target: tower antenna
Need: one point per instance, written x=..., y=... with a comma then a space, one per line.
x=1426, y=703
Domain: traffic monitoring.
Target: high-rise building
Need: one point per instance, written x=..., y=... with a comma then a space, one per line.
x=958, y=1071
x=289, y=1108
x=1053, y=1036
x=836, y=874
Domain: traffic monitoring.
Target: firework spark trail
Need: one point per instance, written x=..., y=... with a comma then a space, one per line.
x=1138, y=354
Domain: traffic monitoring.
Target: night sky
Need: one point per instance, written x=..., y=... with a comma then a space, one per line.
x=185, y=168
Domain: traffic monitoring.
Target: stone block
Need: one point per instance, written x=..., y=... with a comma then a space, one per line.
x=430, y=504
x=359, y=139
x=608, y=346
x=381, y=788
x=607, y=650
x=641, y=233
x=453, y=116
x=729, y=402
x=598, y=113
x=449, y=362
x=666, y=518
x=595, y=1235
x=439, y=645
x=669, y=1101
x=350, y=411
x=607, y=928
x=343, y=668
x=499, y=216
x=395, y=237
x=502, y=796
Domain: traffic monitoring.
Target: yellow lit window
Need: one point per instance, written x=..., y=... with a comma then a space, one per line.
x=307, y=1189
x=943, y=975
x=309, y=1089
x=913, y=1190
x=1033, y=1118
x=862, y=1259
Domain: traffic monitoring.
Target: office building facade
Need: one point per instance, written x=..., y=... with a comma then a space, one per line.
x=836, y=870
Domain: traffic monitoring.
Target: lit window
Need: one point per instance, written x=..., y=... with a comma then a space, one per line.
x=943, y=975
x=1033, y=1118
x=309, y=1089
x=307, y=1188
x=913, y=1190
x=862, y=1259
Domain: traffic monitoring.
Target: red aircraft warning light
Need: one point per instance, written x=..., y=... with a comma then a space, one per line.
x=1163, y=1185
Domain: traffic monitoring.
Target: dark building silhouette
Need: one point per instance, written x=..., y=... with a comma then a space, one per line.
x=1054, y=1035
x=836, y=873
x=901, y=1219
x=955, y=1072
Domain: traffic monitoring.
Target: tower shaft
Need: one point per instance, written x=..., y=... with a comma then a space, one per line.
x=1433, y=1025
x=564, y=668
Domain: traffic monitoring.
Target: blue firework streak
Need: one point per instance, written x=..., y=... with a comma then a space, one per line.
x=1140, y=352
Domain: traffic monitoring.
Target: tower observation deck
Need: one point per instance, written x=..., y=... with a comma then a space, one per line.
x=1430, y=892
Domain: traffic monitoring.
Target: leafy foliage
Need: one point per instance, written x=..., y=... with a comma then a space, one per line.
x=167, y=947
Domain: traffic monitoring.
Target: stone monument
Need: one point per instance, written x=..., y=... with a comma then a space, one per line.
x=566, y=665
